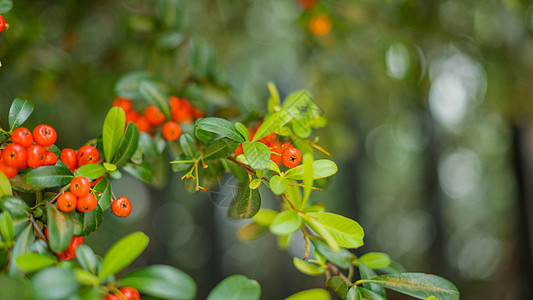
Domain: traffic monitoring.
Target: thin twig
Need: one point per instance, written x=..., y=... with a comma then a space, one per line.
x=38, y=230
x=246, y=168
x=338, y=272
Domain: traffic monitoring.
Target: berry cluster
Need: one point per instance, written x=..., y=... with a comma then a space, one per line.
x=28, y=150
x=280, y=152
x=182, y=111
x=73, y=159
x=78, y=197
x=127, y=292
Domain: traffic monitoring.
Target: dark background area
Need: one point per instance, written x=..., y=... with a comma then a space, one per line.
x=429, y=106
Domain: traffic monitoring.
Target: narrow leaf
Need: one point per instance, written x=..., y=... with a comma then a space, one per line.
x=6, y=227
x=112, y=132
x=122, y=253
x=60, y=228
x=308, y=176
x=128, y=145
x=188, y=145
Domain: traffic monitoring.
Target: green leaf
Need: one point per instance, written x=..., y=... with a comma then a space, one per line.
x=251, y=231
x=272, y=123
x=128, y=145
x=366, y=272
x=418, y=285
x=112, y=132
x=322, y=231
x=359, y=293
x=242, y=130
x=31, y=262
x=322, y=168
x=188, y=145
x=20, y=109
x=19, y=184
x=6, y=227
x=92, y=171
x=143, y=171
x=236, y=287
x=308, y=176
x=87, y=259
x=431, y=298
x=254, y=184
x=306, y=267
x=278, y=185
x=294, y=194
x=13, y=287
x=148, y=145
x=85, y=278
x=161, y=281
x=60, y=228
x=220, y=126
x=220, y=148
x=338, y=285
x=5, y=186
x=122, y=253
x=155, y=95
x=19, y=211
x=375, y=260
x=257, y=153
x=104, y=193
x=341, y=258
x=346, y=232
x=248, y=201
x=22, y=246
x=265, y=216
x=286, y=223
x=54, y=283
x=393, y=267
x=301, y=127
x=89, y=221
x=273, y=100
x=49, y=176
x=314, y=294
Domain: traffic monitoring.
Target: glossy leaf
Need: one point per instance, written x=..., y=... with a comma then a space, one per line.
x=5, y=186
x=278, y=185
x=31, y=262
x=19, y=111
x=49, y=176
x=265, y=216
x=19, y=211
x=87, y=259
x=314, y=294
x=307, y=267
x=375, y=260
x=322, y=231
x=92, y=171
x=103, y=195
x=236, y=287
x=272, y=123
x=341, y=258
x=248, y=201
x=161, y=281
x=122, y=253
x=242, y=130
x=6, y=227
x=188, y=145
x=220, y=126
x=113, y=130
x=128, y=145
x=18, y=183
x=254, y=184
x=286, y=223
x=359, y=293
x=346, y=232
x=322, y=168
x=366, y=272
x=155, y=95
x=220, y=148
x=54, y=283
x=89, y=221
x=22, y=246
x=418, y=285
x=338, y=285
x=60, y=228
x=257, y=153
x=144, y=171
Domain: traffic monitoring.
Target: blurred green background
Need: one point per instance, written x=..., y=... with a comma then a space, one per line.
x=429, y=106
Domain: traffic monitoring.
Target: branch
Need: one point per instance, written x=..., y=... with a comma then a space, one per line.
x=338, y=272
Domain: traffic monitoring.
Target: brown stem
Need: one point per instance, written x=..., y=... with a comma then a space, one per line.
x=246, y=168
x=38, y=230
x=338, y=272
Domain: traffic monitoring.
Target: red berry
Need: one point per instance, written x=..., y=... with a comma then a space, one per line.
x=80, y=186
x=15, y=156
x=154, y=116
x=22, y=136
x=87, y=203
x=9, y=171
x=130, y=293
x=121, y=207
x=238, y=150
x=171, y=131
x=67, y=202
x=123, y=103
x=36, y=156
x=44, y=135
x=68, y=157
x=132, y=116
x=112, y=297
x=291, y=157
x=142, y=124
x=87, y=155
x=74, y=243
x=2, y=23
x=181, y=110
x=50, y=158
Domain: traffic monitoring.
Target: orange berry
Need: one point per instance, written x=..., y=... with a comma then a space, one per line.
x=291, y=157
x=66, y=202
x=123, y=103
x=22, y=136
x=121, y=207
x=320, y=25
x=142, y=124
x=44, y=135
x=87, y=203
x=80, y=186
x=154, y=116
x=68, y=157
x=87, y=155
x=171, y=131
